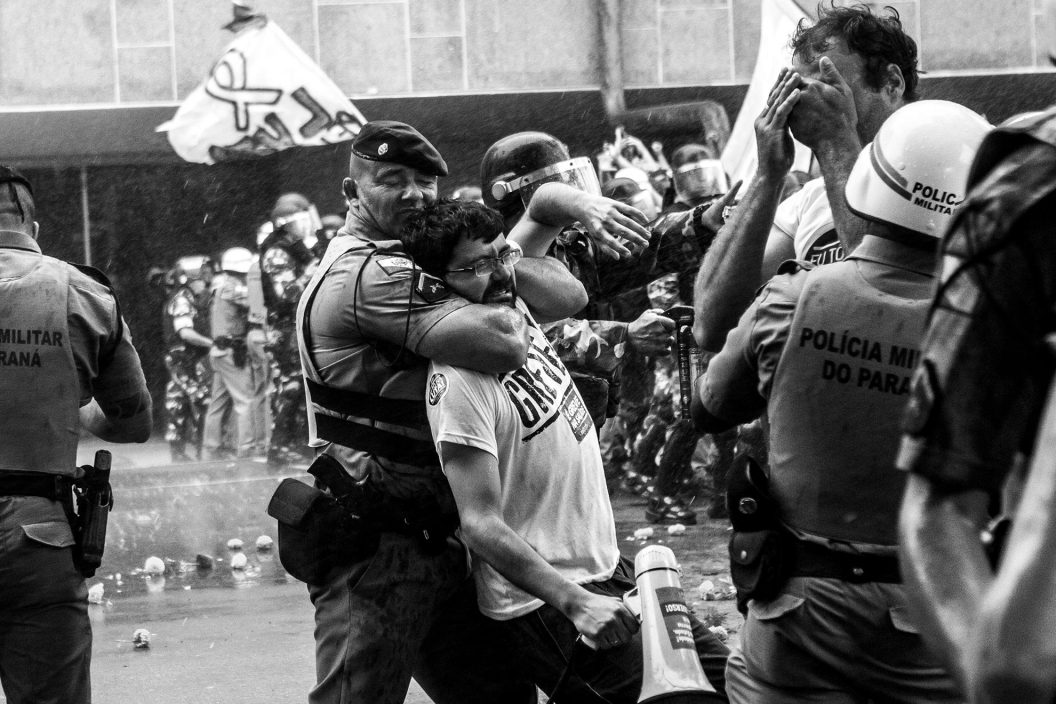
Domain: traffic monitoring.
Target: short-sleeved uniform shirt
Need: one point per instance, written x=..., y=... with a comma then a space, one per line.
x=806, y=218
x=553, y=493
x=985, y=369
x=370, y=309
x=832, y=367
x=106, y=364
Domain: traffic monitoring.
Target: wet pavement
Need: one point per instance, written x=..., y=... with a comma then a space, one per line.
x=216, y=633
x=245, y=636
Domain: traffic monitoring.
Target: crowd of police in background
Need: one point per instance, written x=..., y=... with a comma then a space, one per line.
x=235, y=388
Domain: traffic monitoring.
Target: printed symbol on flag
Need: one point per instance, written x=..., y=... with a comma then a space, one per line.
x=228, y=83
x=263, y=95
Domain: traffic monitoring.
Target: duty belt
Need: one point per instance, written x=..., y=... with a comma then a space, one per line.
x=48, y=486
x=813, y=560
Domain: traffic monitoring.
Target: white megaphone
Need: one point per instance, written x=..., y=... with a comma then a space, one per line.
x=671, y=669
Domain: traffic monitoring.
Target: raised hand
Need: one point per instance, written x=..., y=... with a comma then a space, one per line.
x=825, y=109
x=772, y=135
x=617, y=229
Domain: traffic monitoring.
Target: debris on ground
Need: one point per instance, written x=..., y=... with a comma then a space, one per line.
x=141, y=639
x=154, y=566
x=95, y=593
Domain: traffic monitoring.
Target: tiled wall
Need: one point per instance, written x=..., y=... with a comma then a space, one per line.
x=100, y=52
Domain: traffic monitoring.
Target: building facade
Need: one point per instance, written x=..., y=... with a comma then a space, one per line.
x=84, y=83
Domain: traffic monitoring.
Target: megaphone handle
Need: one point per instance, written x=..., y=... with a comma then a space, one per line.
x=633, y=602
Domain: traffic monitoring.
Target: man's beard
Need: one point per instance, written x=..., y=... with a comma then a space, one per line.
x=494, y=290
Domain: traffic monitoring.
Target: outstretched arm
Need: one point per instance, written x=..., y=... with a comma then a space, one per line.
x=474, y=478
x=732, y=268
x=549, y=289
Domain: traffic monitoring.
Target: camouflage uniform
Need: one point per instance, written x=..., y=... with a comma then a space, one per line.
x=286, y=265
x=187, y=392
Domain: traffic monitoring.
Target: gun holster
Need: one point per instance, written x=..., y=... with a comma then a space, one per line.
x=88, y=503
x=762, y=550
x=316, y=531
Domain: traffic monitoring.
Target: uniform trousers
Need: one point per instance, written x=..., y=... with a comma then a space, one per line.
x=260, y=377
x=544, y=641
x=404, y=612
x=238, y=383
x=45, y=634
x=837, y=642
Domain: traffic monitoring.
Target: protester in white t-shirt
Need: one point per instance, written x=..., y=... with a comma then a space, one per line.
x=521, y=454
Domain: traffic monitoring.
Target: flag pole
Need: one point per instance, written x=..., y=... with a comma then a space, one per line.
x=84, y=216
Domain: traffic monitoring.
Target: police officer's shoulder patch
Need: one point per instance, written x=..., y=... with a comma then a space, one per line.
x=391, y=264
x=437, y=388
x=430, y=288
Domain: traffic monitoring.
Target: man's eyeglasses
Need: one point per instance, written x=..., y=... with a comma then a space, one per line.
x=488, y=265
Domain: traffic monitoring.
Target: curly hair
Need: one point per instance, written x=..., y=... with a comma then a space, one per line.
x=430, y=235
x=879, y=39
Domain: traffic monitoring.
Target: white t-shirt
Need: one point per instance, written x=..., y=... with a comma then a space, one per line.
x=553, y=491
x=805, y=218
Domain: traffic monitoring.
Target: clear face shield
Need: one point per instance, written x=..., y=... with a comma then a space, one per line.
x=302, y=225
x=578, y=173
x=700, y=179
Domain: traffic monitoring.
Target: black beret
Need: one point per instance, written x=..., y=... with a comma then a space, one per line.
x=398, y=143
x=9, y=175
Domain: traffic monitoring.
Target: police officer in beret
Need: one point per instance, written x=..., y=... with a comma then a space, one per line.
x=367, y=323
x=66, y=363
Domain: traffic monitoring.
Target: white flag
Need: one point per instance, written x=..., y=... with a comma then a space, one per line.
x=262, y=96
x=740, y=157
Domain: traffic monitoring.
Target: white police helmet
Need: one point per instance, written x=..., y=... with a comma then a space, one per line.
x=236, y=260
x=915, y=172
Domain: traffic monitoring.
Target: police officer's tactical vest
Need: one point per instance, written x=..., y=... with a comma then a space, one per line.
x=39, y=386
x=393, y=429
x=226, y=318
x=838, y=393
